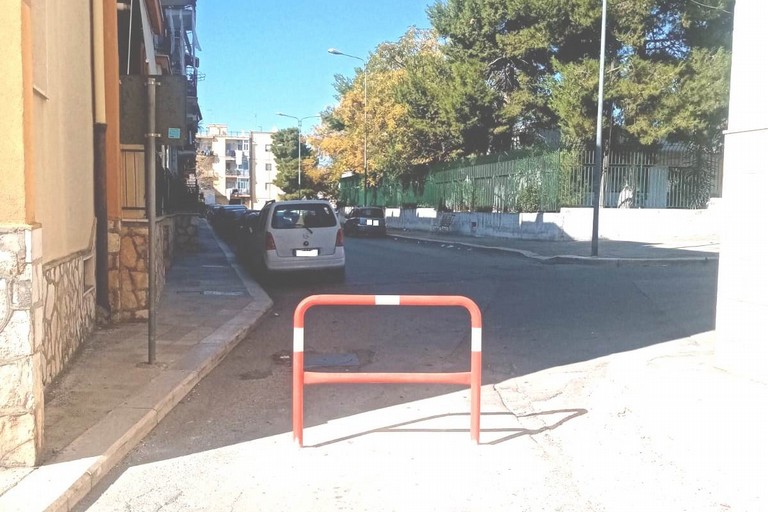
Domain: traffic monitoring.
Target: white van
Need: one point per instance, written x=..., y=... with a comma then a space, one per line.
x=296, y=236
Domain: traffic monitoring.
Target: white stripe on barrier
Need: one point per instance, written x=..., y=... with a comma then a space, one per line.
x=477, y=336
x=298, y=339
x=387, y=300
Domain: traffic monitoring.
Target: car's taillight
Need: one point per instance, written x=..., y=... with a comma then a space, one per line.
x=339, y=238
x=269, y=242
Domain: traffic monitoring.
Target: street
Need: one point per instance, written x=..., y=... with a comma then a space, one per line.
x=535, y=317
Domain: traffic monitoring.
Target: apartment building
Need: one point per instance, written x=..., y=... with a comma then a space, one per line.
x=235, y=159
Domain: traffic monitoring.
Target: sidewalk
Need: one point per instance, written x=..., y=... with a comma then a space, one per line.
x=612, y=252
x=109, y=398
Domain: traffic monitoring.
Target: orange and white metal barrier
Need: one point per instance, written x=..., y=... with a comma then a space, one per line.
x=471, y=378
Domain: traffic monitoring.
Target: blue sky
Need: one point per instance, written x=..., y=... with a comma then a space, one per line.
x=260, y=57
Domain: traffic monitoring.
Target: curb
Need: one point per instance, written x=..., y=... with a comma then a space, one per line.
x=64, y=480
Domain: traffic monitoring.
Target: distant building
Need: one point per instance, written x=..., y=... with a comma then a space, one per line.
x=234, y=155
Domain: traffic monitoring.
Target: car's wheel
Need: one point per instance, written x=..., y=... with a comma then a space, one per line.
x=260, y=270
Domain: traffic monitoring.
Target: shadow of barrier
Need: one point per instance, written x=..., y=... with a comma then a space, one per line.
x=472, y=378
x=411, y=426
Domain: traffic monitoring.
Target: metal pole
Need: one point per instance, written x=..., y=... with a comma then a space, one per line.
x=252, y=170
x=365, y=134
x=334, y=51
x=597, y=178
x=299, y=156
x=149, y=158
x=298, y=120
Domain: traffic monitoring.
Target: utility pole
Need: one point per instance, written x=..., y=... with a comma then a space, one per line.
x=150, y=162
x=597, y=178
x=252, y=169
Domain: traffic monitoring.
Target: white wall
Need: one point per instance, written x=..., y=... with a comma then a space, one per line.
x=742, y=300
x=636, y=225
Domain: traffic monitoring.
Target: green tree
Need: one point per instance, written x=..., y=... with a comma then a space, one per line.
x=667, y=64
x=422, y=109
x=512, y=43
x=285, y=147
x=667, y=69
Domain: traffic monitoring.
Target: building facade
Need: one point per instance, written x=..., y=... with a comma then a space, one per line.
x=236, y=166
x=73, y=223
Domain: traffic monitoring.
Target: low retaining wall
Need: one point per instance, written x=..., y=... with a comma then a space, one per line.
x=128, y=271
x=635, y=225
x=21, y=340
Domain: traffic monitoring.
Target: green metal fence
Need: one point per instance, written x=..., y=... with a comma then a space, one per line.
x=676, y=177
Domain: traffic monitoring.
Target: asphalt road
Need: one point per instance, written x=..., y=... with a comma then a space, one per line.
x=535, y=317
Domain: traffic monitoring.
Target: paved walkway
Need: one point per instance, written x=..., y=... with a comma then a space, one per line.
x=109, y=398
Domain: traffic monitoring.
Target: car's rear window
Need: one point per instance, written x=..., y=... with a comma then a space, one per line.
x=298, y=216
x=368, y=212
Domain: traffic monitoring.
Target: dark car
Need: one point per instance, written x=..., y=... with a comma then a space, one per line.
x=368, y=220
x=224, y=219
x=245, y=232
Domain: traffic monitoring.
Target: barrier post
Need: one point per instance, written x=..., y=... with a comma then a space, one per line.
x=472, y=378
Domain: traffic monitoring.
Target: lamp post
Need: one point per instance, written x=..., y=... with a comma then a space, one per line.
x=597, y=178
x=299, y=120
x=334, y=51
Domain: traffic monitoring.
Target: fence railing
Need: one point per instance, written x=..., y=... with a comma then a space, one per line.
x=678, y=176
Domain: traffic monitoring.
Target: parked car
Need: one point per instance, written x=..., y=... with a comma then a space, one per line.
x=244, y=232
x=224, y=218
x=368, y=220
x=295, y=236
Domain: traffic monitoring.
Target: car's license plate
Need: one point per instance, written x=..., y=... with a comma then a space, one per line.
x=372, y=222
x=307, y=252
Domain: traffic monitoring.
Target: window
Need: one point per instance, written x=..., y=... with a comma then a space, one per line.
x=268, y=147
x=267, y=167
x=245, y=146
x=266, y=186
x=309, y=216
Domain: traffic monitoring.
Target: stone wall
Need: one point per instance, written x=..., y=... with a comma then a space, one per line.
x=114, y=229
x=69, y=310
x=186, y=232
x=21, y=334
x=133, y=271
x=129, y=276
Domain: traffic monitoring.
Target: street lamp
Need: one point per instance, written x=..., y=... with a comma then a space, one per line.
x=334, y=51
x=299, y=119
x=597, y=183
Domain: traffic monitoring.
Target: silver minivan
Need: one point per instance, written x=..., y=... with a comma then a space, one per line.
x=298, y=235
